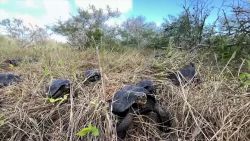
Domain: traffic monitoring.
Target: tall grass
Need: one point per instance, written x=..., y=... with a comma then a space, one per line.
x=217, y=109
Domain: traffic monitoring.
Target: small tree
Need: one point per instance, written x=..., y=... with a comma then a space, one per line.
x=136, y=31
x=26, y=35
x=86, y=26
x=112, y=35
x=179, y=29
x=188, y=28
x=235, y=25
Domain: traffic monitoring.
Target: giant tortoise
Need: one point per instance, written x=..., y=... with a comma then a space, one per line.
x=14, y=62
x=92, y=75
x=135, y=99
x=58, y=88
x=7, y=79
x=185, y=75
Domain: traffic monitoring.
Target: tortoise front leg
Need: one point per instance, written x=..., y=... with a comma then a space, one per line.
x=123, y=126
x=163, y=117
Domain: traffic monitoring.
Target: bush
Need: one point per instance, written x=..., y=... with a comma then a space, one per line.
x=86, y=28
x=25, y=35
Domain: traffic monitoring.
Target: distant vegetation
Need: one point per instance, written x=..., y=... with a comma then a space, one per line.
x=25, y=35
x=227, y=37
x=189, y=30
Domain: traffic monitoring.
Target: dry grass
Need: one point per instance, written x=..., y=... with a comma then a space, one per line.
x=217, y=109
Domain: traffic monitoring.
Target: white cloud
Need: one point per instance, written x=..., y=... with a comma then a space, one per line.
x=27, y=19
x=123, y=6
x=56, y=10
x=3, y=1
x=59, y=38
x=3, y=14
x=30, y=3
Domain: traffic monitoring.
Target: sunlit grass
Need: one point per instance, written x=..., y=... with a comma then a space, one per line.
x=217, y=109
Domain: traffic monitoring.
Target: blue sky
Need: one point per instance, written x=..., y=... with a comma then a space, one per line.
x=155, y=10
x=48, y=11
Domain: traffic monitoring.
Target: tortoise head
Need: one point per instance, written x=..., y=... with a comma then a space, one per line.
x=141, y=98
x=92, y=75
x=148, y=85
x=192, y=64
x=67, y=86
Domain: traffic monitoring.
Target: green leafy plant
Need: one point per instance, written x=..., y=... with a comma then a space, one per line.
x=61, y=99
x=46, y=71
x=245, y=79
x=87, y=130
